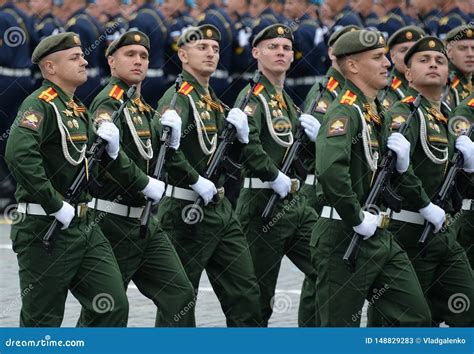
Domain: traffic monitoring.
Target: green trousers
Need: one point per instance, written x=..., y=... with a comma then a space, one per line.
x=286, y=233
x=82, y=261
x=154, y=267
x=384, y=276
x=444, y=273
x=465, y=233
x=312, y=200
x=214, y=242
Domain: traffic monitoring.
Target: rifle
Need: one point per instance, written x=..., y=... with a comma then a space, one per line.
x=444, y=192
x=380, y=189
x=81, y=182
x=295, y=149
x=447, y=87
x=160, y=161
x=220, y=158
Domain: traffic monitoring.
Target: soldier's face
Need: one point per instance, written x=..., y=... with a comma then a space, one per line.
x=461, y=54
x=373, y=66
x=362, y=6
x=295, y=8
x=274, y=55
x=68, y=66
x=256, y=7
x=397, y=53
x=428, y=69
x=201, y=56
x=129, y=63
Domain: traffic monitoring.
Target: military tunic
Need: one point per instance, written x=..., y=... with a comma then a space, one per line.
x=45, y=150
x=461, y=87
x=465, y=222
x=212, y=238
x=152, y=262
x=273, y=121
x=349, y=146
x=397, y=90
x=444, y=270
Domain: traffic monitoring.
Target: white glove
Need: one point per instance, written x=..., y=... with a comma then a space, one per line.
x=400, y=146
x=64, y=215
x=205, y=188
x=466, y=146
x=243, y=38
x=281, y=185
x=172, y=119
x=110, y=133
x=238, y=119
x=154, y=189
x=435, y=215
x=311, y=126
x=368, y=226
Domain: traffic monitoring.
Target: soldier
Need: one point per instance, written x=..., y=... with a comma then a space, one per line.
x=264, y=16
x=212, y=238
x=151, y=21
x=89, y=30
x=45, y=150
x=460, y=46
x=351, y=139
x=180, y=19
x=335, y=82
x=16, y=43
x=273, y=119
x=216, y=16
x=151, y=262
x=452, y=17
x=394, y=18
x=428, y=14
x=398, y=44
x=364, y=9
x=465, y=221
x=303, y=72
x=114, y=23
x=444, y=270
x=46, y=23
x=343, y=16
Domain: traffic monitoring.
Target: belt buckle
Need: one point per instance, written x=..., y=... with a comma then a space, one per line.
x=82, y=209
x=219, y=196
x=295, y=185
x=385, y=221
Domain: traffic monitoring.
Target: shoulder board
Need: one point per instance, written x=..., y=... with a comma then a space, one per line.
x=48, y=95
x=201, y=17
x=258, y=89
x=332, y=84
x=455, y=82
x=116, y=93
x=396, y=82
x=443, y=20
x=384, y=19
x=185, y=88
x=71, y=22
x=471, y=103
x=349, y=98
x=408, y=99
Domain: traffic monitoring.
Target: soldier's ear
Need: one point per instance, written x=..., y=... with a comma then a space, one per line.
x=111, y=61
x=408, y=75
x=255, y=53
x=183, y=55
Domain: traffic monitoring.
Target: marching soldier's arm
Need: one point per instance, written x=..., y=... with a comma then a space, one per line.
x=254, y=157
x=333, y=163
x=408, y=184
x=177, y=165
x=123, y=169
x=24, y=157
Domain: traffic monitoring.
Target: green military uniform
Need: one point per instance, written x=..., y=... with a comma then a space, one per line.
x=273, y=119
x=461, y=84
x=444, y=271
x=465, y=221
x=45, y=150
x=349, y=145
x=399, y=84
x=151, y=262
x=212, y=239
